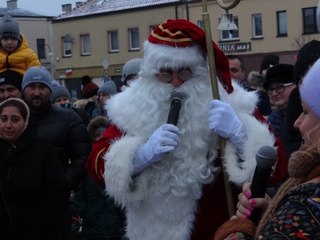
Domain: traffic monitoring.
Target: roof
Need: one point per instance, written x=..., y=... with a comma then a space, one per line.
x=92, y=7
x=18, y=12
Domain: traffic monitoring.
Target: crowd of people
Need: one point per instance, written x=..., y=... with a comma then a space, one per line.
x=112, y=166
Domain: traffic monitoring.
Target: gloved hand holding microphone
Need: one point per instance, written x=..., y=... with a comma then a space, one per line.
x=163, y=140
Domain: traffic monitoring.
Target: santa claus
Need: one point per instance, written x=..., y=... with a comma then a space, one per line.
x=158, y=171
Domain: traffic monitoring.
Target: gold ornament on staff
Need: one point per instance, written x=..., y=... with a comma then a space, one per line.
x=214, y=85
x=227, y=7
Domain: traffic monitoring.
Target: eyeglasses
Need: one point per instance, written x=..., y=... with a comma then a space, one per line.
x=278, y=88
x=166, y=75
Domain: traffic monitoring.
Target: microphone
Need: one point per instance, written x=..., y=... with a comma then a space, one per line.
x=176, y=99
x=266, y=156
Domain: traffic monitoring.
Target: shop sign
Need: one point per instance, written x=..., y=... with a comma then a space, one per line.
x=235, y=47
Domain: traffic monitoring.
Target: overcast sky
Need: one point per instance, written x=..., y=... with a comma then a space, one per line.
x=47, y=7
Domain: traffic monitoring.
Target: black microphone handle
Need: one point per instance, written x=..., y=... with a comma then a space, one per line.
x=259, y=183
x=174, y=112
x=258, y=190
x=266, y=156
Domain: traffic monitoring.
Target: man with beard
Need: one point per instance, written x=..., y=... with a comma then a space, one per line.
x=161, y=173
x=60, y=127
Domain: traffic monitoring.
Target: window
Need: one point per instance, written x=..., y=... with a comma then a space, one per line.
x=282, y=23
x=67, y=45
x=134, y=39
x=113, y=41
x=85, y=44
x=200, y=24
x=257, y=25
x=41, y=48
x=227, y=35
x=309, y=20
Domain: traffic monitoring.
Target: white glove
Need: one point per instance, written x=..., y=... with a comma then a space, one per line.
x=224, y=121
x=162, y=141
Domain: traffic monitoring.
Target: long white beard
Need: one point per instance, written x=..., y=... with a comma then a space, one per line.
x=144, y=106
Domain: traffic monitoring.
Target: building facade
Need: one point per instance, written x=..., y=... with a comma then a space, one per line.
x=96, y=34
x=279, y=27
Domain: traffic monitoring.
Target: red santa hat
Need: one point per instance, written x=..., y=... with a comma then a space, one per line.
x=187, y=46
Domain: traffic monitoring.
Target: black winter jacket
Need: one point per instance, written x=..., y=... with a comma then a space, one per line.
x=33, y=194
x=101, y=217
x=64, y=130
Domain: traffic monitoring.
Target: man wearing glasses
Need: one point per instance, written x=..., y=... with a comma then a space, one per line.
x=279, y=84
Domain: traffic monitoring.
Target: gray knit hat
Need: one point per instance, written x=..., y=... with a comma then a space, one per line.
x=131, y=67
x=59, y=91
x=310, y=88
x=37, y=75
x=109, y=87
x=9, y=28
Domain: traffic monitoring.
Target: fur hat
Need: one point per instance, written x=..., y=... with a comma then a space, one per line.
x=310, y=88
x=281, y=73
x=12, y=78
x=255, y=79
x=37, y=75
x=89, y=90
x=108, y=87
x=9, y=28
x=179, y=43
x=268, y=61
x=131, y=67
x=59, y=91
x=97, y=126
x=307, y=55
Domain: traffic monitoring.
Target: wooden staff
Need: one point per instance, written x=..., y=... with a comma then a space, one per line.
x=215, y=93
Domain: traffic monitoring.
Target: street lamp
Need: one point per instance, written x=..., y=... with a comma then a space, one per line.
x=49, y=50
x=49, y=63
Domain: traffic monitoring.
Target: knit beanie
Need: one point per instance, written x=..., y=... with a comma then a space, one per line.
x=310, y=88
x=131, y=67
x=9, y=28
x=89, y=90
x=307, y=55
x=108, y=87
x=59, y=91
x=37, y=75
x=12, y=78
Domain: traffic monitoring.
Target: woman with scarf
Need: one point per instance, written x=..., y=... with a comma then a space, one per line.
x=294, y=213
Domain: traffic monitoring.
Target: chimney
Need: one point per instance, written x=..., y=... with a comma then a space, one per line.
x=79, y=4
x=67, y=7
x=12, y=4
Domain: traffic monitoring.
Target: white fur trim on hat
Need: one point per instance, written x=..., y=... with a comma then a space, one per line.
x=159, y=56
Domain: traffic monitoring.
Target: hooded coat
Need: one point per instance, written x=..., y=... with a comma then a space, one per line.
x=32, y=189
x=20, y=60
